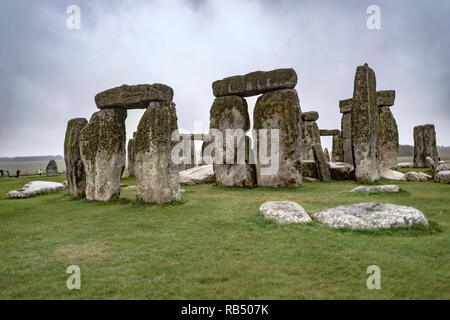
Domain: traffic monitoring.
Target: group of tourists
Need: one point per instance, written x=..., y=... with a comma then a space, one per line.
x=5, y=173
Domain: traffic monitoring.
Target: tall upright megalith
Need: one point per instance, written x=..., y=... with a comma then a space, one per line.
x=365, y=126
x=76, y=177
x=131, y=157
x=387, y=130
x=424, y=145
x=229, y=115
x=157, y=179
x=345, y=107
x=310, y=134
x=102, y=147
x=280, y=110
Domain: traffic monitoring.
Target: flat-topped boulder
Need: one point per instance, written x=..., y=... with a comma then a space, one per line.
x=371, y=215
x=284, y=212
x=442, y=176
x=310, y=116
x=346, y=105
x=384, y=188
x=255, y=83
x=197, y=175
x=35, y=187
x=330, y=132
x=389, y=174
x=385, y=98
x=133, y=96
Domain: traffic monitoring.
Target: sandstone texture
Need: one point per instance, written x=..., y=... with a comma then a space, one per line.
x=197, y=175
x=255, y=83
x=52, y=169
x=442, y=176
x=415, y=176
x=389, y=174
x=443, y=167
x=342, y=171
x=284, y=212
x=231, y=112
x=323, y=170
x=309, y=169
x=424, y=145
x=35, y=187
x=310, y=116
x=337, y=154
x=326, y=132
x=131, y=158
x=310, y=136
x=76, y=177
x=387, y=138
x=384, y=188
x=157, y=179
x=371, y=215
x=134, y=96
x=102, y=148
x=280, y=110
x=385, y=98
x=365, y=126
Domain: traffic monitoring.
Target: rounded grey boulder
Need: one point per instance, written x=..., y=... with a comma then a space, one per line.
x=371, y=215
x=284, y=212
x=384, y=188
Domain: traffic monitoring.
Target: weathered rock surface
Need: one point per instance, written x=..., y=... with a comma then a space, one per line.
x=133, y=97
x=310, y=116
x=231, y=112
x=310, y=136
x=76, y=177
x=280, y=110
x=309, y=179
x=131, y=158
x=341, y=171
x=329, y=132
x=385, y=98
x=157, y=179
x=430, y=163
x=387, y=138
x=323, y=170
x=35, y=187
x=255, y=83
x=346, y=105
x=442, y=176
x=443, y=167
x=52, y=169
x=309, y=168
x=365, y=126
x=384, y=188
x=188, y=157
x=424, y=145
x=389, y=174
x=337, y=154
x=197, y=175
x=102, y=148
x=405, y=165
x=284, y=212
x=414, y=176
x=327, y=154
x=346, y=126
x=369, y=215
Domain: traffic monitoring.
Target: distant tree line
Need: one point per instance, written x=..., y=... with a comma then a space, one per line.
x=405, y=150
x=26, y=159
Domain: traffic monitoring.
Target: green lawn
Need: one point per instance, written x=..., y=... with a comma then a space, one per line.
x=214, y=245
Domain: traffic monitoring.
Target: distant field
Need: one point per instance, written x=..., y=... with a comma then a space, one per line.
x=30, y=167
x=410, y=159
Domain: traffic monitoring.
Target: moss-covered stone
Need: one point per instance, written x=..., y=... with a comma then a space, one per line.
x=310, y=116
x=385, y=98
x=131, y=158
x=346, y=105
x=424, y=145
x=388, y=139
x=133, y=97
x=365, y=126
x=337, y=153
x=102, y=146
x=76, y=177
x=281, y=110
x=157, y=179
x=255, y=83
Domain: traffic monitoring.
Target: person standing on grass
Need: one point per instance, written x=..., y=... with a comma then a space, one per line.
x=7, y=173
x=18, y=173
x=2, y=172
x=40, y=172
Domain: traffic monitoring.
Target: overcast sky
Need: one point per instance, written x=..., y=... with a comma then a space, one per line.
x=50, y=74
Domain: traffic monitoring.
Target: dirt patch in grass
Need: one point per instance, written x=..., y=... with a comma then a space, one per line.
x=92, y=252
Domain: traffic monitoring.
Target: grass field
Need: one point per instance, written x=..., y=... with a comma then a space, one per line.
x=30, y=167
x=214, y=245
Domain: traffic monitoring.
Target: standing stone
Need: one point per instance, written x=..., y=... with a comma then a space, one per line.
x=310, y=136
x=76, y=177
x=231, y=112
x=323, y=169
x=52, y=169
x=337, y=150
x=255, y=83
x=387, y=130
x=157, y=179
x=131, y=158
x=345, y=107
x=102, y=146
x=424, y=145
x=188, y=160
x=388, y=138
x=365, y=126
x=327, y=154
x=281, y=110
